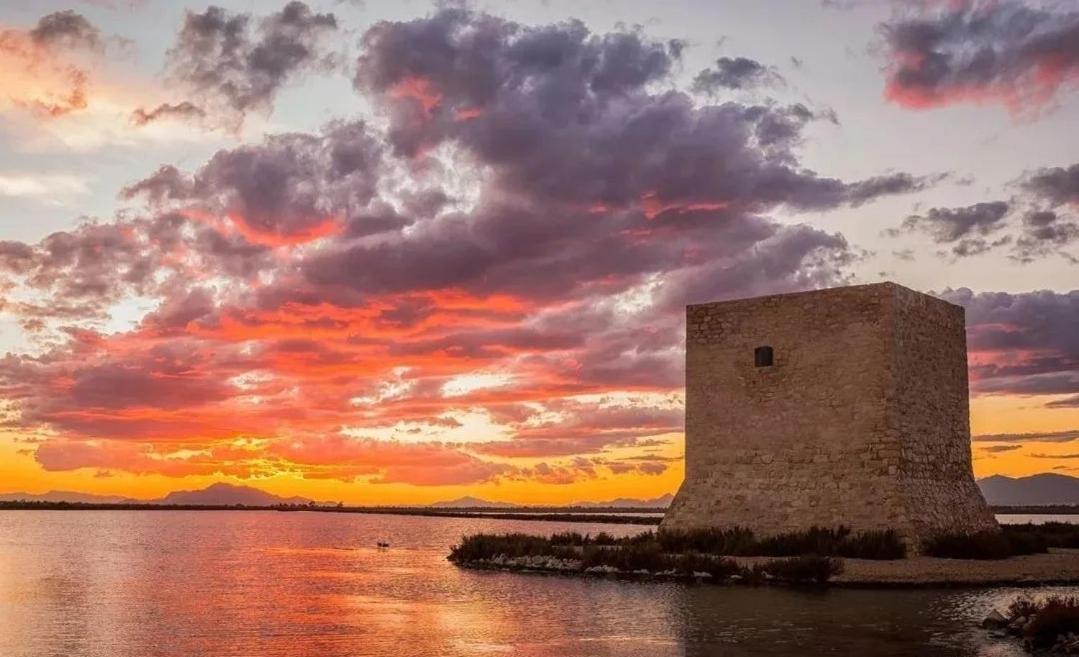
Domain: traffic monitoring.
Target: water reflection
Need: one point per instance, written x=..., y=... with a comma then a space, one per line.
x=263, y=583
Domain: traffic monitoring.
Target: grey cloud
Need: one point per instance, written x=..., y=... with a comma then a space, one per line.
x=222, y=60
x=734, y=73
x=1022, y=343
x=1044, y=232
x=947, y=225
x=1070, y=402
x=285, y=188
x=67, y=29
x=568, y=116
x=1055, y=185
x=981, y=49
x=1052, y=437
x=184, y=110
x=996, y=449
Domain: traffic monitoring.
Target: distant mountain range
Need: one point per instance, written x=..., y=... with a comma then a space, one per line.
x=68, y=496
x=219, y=494
x=661, y=502
x=1035, y=490
x=469, y=502
x=222, y=493
x=999, y=490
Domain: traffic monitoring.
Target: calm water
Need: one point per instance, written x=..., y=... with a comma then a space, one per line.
x=119, y=583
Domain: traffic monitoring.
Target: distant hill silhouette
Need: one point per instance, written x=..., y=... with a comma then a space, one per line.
x=468, y=502
x=214, y=494
x=999, y=490
x=228, y=494
x=67, y=496
x=661, y=502
x=1035, y=490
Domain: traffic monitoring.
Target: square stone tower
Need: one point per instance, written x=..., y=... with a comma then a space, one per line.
x=846, y=406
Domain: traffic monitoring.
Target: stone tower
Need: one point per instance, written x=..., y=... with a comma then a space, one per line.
x=846, y=406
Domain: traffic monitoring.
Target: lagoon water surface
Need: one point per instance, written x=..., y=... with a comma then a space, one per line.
x=252, y=583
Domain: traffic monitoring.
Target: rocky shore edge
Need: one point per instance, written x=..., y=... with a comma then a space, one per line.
x=1057, y=568
x=803, y=570
x=1045, y=626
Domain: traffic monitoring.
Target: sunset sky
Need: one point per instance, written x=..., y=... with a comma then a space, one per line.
x=399, y=252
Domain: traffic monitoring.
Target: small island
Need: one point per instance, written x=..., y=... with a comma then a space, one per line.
x=1017, y=555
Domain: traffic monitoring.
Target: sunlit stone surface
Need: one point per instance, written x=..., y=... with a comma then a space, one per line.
x=860, y=419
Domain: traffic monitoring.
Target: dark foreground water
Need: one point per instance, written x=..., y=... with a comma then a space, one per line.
x=246, y=584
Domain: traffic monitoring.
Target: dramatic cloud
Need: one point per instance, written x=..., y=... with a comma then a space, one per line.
x=982, y=51
x=293, y=188
x=491, y=287
x=1023, y=344
x=733, y=73
x=234, y=68
x=964, y=228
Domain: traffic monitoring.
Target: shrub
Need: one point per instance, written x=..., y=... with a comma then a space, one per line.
x=487, y=546
x=738, y=541
x=1022, y=607
x=803, y=570
x=984, y=545
x=720, y=568
x=568, y=538
x=732, y=541
x=1055, y=534
x=881, y=545
x=815, y=540
x=603, y=538
x=1057, y=617
x=645, y=552
x=1048, y=620
x=1026, y=542
x=642, y=556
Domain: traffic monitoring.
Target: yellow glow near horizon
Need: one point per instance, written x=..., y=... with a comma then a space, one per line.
x=19, y=472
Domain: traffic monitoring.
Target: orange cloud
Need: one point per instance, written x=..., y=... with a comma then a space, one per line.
x=37, y=76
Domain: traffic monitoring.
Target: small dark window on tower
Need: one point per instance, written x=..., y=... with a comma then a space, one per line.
x=762, y=356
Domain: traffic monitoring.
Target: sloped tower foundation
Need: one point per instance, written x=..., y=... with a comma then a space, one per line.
x=846, y=406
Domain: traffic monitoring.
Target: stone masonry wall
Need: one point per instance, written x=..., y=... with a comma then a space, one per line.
x=931, y=417
x=861, y=420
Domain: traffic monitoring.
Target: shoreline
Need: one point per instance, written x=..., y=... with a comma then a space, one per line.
x=625, y=515
x=1058, y=567
x=561, y=514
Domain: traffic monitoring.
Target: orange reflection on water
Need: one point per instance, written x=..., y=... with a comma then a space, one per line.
x=251, y=584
